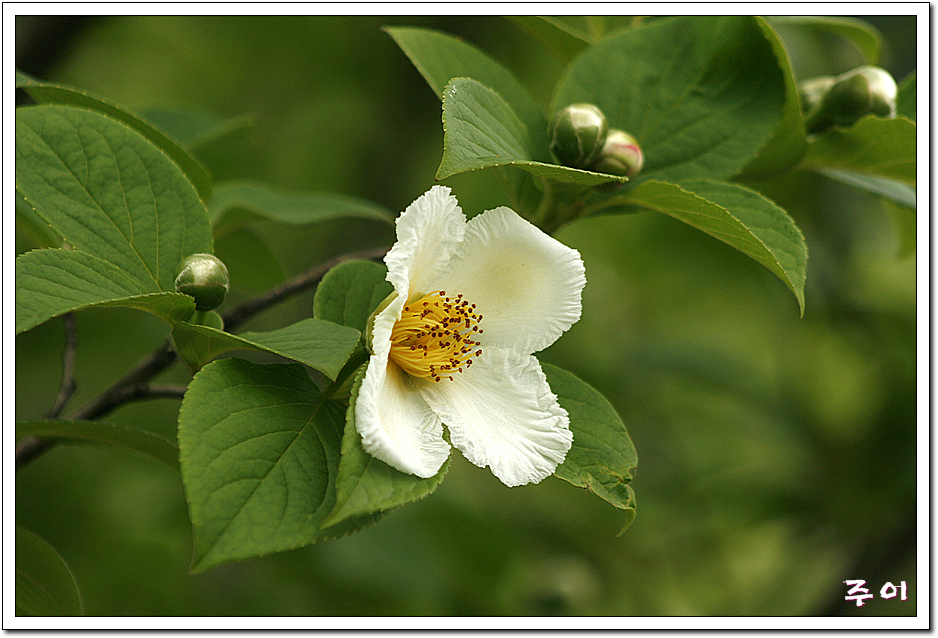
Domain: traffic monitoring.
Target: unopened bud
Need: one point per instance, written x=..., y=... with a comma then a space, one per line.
x=621, y=155
x=577, y=134
x=862, y=91
x=205, y=278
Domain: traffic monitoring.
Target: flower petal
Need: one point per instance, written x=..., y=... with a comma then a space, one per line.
x=525, y=283
x=395, y=423
x=427, y=235
x=500, y=412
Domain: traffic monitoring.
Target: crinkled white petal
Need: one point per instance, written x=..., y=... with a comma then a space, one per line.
x=526, y=284
x=501, y=413
x=395, y=423
x=428, y=233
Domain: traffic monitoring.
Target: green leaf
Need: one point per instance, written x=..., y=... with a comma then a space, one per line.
x=737, y=215
x=109, y=192
x=701, y=94
x=895, y=191
x=602, y=458
x=45, y=585
x=47, y=92
x=441, y=57
x=53, y=281
x=192, y=129
x=259, y=452
x=789, y=143
x=872, y=146
x=236, y=204
x=561, y=39
x=251, y=265
x=864, y=36
x=481, y=131
x=350, y=292
x=905, y=100
x=147, y=443
x=366, y=485
x=322, y=345
x=33, y=225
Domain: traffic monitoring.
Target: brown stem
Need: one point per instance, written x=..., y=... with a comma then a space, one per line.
x=133, y=385
x=68, y=368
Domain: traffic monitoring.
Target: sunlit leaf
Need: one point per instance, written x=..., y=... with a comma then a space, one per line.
x=481, y=131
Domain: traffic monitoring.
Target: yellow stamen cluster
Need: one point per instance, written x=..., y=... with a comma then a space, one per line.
x=433, y=339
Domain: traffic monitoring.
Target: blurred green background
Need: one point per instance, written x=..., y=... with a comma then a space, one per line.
x=777, y=454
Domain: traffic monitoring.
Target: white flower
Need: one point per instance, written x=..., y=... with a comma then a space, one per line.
x=453, y=344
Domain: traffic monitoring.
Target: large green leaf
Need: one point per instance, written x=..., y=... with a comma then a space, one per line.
x=872, y=146
x=441, y=57
x=789, y=143
x=864, y=36
x=481, y=131
x=737, y=215
x=322, y=345
x=350, y=292
x=51, y=282
x=238, y=203
x=45, y=585
x=259, y=452
x=48, y=92
x=109, y=192
x=147, y=443
x=701, y=94
x=602, y=458
x=366, y=485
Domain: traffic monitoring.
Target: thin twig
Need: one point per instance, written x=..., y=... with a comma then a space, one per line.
x=68, y=368
x=133, y=385
x=304, y=281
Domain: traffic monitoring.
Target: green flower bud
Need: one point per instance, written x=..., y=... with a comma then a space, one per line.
x=577, y=134
x=862, y=91
x=813, y=91
x=205, y=278
x=621, y=155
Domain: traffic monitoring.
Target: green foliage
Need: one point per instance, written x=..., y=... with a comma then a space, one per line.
x=602, y=458
x=141, y=441
x=873, y=146
x=739, y=216
x=483, y=132
x=45, y=585
x=366, y=485
x=702, y=95
x=52, y=93
x=322, y=345
x=754, y=421
x=128, y=211
x=259, y=448
x=350, y=292
x=864, y=36
x=236, y=204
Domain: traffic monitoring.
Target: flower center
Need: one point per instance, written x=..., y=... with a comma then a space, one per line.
x=433, y=337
